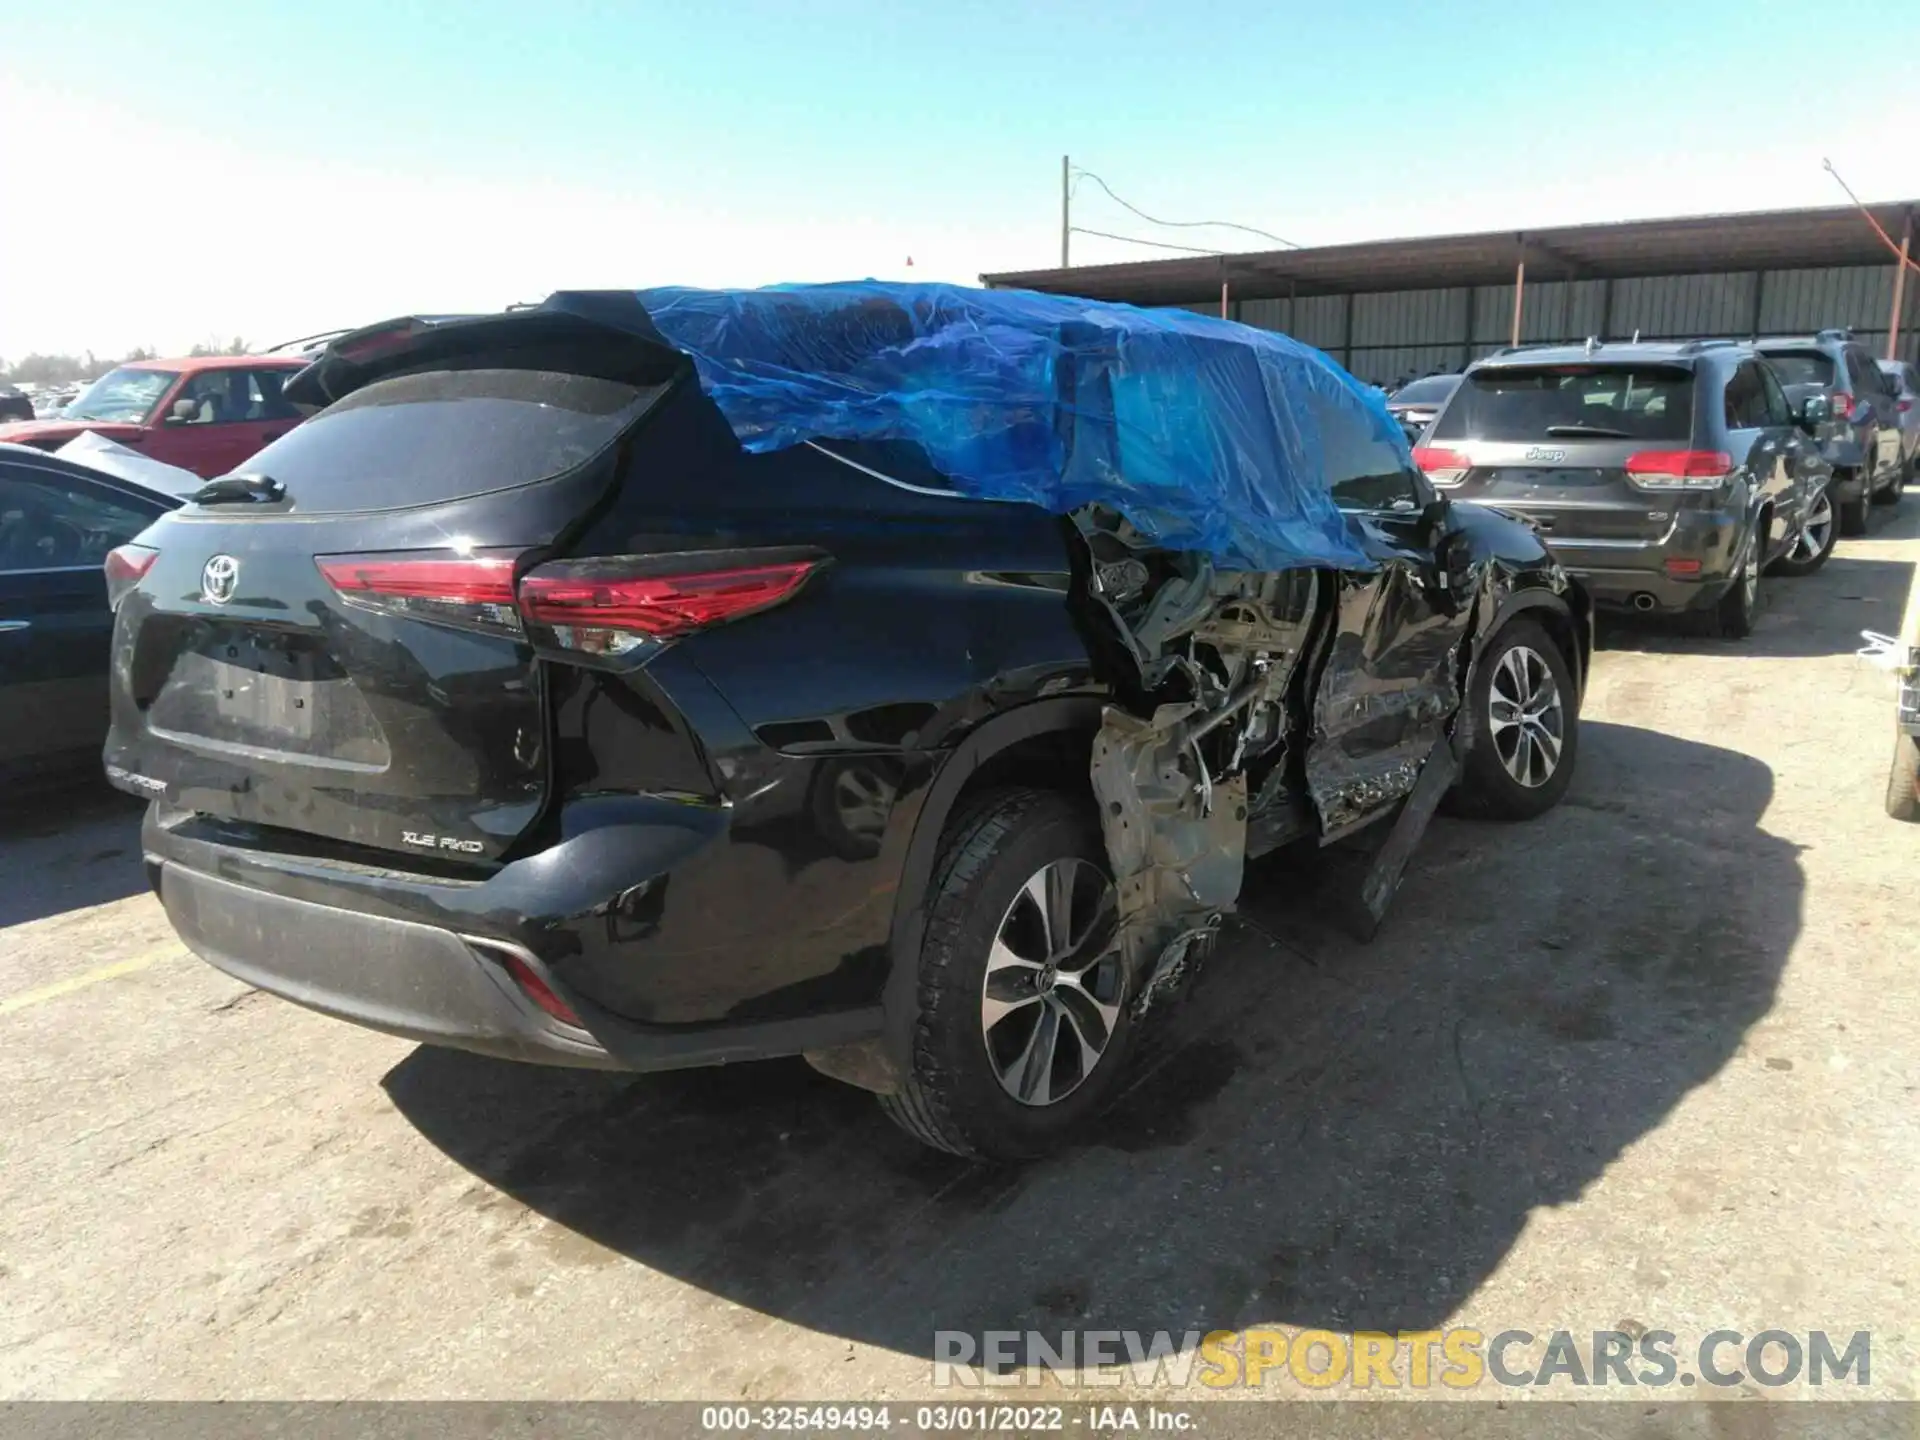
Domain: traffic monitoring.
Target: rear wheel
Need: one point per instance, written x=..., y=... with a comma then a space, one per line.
x=1903, y=777
x=1733, y=616
x=1853, y=513
x=1523, y=727
x=1815, y=543
x=1897, y=486
x=1023, y=1029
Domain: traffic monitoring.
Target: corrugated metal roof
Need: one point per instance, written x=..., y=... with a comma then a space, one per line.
x=1688, y=245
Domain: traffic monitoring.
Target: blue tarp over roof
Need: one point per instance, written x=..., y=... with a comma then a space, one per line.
x=1207, y=435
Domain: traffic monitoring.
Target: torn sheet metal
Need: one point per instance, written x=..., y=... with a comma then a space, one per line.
x=1173, y=784
x=1176, y=836
x=1388, y=690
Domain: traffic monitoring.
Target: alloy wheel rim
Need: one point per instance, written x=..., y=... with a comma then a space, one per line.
x=1526, y=716
x=1750, y=577
x=1813, y=535
x=1050, y=999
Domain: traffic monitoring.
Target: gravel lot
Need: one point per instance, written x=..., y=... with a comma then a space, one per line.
x=1650, y=1061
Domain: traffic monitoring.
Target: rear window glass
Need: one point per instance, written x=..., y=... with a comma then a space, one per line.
x=1430, y=391
x=1572, y=402
x=447, y=434
x=1800, y=367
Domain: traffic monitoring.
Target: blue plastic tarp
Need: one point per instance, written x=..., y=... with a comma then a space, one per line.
x=1206, y=435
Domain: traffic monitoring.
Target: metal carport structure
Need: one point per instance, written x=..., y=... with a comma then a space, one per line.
x=1391, y=307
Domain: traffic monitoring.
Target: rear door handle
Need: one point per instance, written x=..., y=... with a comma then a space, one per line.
x=8, y=625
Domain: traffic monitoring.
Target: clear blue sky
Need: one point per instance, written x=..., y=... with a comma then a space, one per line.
x=312, y=164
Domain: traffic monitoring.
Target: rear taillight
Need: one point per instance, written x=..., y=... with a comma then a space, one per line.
x=538, y=991
x=1442, y=467
x=125, y=566
x=611, y=606
x=473, y=591
x=1679, y=469
x=606, y=606
x=1842, y=405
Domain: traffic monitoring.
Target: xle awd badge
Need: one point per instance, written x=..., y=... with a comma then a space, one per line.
x=440, y=842
x=218, y=577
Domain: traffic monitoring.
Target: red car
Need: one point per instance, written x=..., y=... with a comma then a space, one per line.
x=206, y=415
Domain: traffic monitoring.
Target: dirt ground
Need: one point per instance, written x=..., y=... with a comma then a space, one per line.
x=1649, y=1062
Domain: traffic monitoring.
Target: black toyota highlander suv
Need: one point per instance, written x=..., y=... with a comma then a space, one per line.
x=1666, y=476
x=511, y=704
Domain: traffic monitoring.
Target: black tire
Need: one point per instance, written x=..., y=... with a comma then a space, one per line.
x=1903, y=778
x=1796, y=564
x=1487, y=788
x=1897, y=486
x=953, y=1097
x=1853, y=513
x=1731, y=617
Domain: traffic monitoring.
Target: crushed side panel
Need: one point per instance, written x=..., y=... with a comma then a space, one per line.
x=1388, y=690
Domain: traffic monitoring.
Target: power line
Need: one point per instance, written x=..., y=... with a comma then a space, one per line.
x=1135, y=240
x=1080, y=174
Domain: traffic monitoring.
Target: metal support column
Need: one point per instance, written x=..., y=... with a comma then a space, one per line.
x=1519, y=289
x=1759, y=299
x=1606, y=308
x=1346, y=335
x=1223, y=301
x=1466, y=328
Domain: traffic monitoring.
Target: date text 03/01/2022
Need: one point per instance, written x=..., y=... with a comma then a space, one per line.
x=938, y=1419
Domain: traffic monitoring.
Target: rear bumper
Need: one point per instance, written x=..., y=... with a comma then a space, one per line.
x=429, y=980
x=1623, y=576
x=1648, y=591
x=396, y=976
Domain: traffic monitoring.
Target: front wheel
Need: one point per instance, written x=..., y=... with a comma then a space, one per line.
x=1523, y=727
x=1814, y=543
x=1024, y=1027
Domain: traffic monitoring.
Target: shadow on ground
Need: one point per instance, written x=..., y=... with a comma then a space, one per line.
x=1329, y=1135
x=67, y=847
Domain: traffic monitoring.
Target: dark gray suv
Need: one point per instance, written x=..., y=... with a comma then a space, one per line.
x=1855, y=413
x=1665, y=476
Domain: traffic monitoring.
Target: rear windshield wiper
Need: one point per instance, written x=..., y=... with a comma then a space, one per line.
x=240, y=489
x=1604, y=432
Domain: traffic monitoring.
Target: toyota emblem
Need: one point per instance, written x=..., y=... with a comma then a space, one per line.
x=218, y=578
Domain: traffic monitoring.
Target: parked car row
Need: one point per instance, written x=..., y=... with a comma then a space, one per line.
x=1669, y=477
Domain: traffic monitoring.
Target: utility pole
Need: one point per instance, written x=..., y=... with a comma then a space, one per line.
x=1066, y=214
x=1899, y=289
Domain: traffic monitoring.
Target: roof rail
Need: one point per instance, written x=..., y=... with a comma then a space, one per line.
x=1836, y=332
x=1531, y=345
x=305, y=342
x=1694, y=347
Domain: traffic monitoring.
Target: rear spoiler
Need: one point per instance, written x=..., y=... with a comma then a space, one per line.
x=603, y=334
